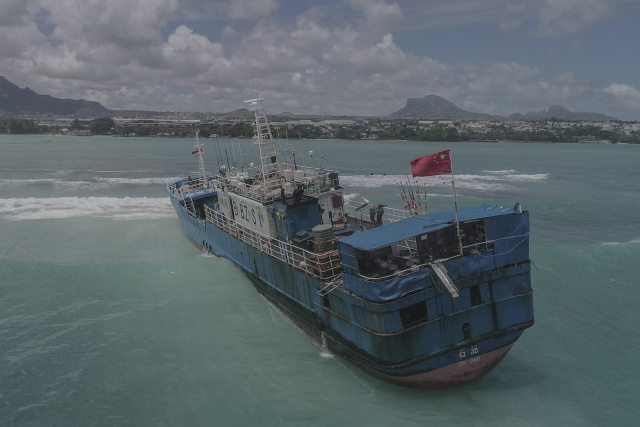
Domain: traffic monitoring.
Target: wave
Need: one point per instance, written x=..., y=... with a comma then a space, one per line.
x=95, y=183
x=511, y=175
x=354, y=200
x=486, y=181
x=489, y=180
x=629, y=242
x=500, y=172
x=127, y=208
x=137, y=181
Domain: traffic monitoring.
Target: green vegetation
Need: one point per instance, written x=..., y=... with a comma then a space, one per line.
x=22, y=127
x=370, y=128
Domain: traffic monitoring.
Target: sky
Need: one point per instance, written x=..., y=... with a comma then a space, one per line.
x=328, y=57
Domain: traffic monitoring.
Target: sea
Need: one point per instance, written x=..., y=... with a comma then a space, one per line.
x=110, y=316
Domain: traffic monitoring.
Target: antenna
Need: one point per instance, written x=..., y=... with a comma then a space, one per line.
x=200, y=158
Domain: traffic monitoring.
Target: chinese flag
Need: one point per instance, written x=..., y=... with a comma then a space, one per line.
x=433, y=164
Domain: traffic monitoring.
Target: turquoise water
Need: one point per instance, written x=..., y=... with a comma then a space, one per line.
x=110, y=316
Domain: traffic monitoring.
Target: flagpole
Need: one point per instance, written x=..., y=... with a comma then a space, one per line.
x=429, y=166
x=455, y=205
x=203, y=177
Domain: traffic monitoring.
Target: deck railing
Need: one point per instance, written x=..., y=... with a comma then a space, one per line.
x=362, y=211
x=188, y=185
x=413, y=263
x=311, y=181
x=324, y=266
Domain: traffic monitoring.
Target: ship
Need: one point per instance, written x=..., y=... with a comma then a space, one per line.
x=423, y=300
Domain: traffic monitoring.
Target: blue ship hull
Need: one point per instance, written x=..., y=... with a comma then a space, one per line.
x=408, y=331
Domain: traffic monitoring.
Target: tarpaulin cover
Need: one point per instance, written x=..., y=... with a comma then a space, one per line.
x=398, y=286
x=390, y=289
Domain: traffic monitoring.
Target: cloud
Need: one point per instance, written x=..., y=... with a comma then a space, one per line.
x=561, y=17
x=189, y=54
x=625, y=94
x=377, y=12
x=348, y=57
x=13, y=13
x=122, y=23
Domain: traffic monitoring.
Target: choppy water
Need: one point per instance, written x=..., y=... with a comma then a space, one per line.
x=110, y=316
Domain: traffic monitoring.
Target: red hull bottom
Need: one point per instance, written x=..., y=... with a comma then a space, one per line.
x=456, y=374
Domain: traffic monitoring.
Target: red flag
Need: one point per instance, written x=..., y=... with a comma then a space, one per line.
x=433, y=164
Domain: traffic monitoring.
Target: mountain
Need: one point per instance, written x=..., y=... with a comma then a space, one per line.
x=562, y=114
x=15, y=101
x=436, y=107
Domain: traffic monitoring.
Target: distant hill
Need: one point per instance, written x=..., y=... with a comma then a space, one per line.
x=15, y=101
x=240, y=114
x=436, y=107
x=562, y=114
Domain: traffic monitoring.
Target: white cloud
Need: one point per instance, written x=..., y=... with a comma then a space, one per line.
x=318, y=59
x=378, y=12
x=384, y=56
x=190, y=54
x=627, y=95
x=124, y=23
x=310, y=31
x=17, y=42
x=229, y=32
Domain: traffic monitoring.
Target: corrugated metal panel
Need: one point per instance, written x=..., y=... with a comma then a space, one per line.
x=416, y=225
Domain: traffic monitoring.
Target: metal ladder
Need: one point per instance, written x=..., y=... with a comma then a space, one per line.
x=442, y=274
x=334, y=284
x=188, y=203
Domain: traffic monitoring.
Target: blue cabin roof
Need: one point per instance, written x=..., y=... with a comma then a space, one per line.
x=417, y=225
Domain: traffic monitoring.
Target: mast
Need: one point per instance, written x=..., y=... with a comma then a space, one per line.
x=270, y=171
x=198, y=150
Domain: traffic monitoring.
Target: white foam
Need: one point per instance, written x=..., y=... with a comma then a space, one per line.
x=137, y=181
x=500, y=172
x=489, y=180
x=374, y=181
x=512, y=175
x=355, y=198
x=630, y=242
x=127, y=208
x=95, y=183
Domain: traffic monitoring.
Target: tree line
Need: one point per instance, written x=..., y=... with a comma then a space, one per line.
x=380, y=129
